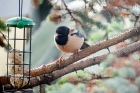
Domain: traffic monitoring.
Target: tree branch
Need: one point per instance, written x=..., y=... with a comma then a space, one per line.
x=96, y=60
x=48, y=68
x=47, y=78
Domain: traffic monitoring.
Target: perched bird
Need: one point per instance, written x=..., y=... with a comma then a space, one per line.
x=69, y=40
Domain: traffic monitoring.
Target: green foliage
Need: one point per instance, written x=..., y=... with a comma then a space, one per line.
x=137, y=81
x=62, y=80
x=113, y=28
x=115, y=25
x=66, y=88
x=120, y=85
x=113, y=83
x=100, y=90
x=2, y=25
x=127, y=72
x=89, y=23
x=127, y=89
x=52, y=87
x=128, y=63
x=40, y=1
x=96, y=37
x=83, y=74
x=106, y=63
x=80, y=75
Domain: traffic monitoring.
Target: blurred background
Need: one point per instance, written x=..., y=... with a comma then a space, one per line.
x=42, y=43
x=43, y=48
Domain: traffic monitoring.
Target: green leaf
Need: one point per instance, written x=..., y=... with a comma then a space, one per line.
x=83, y=74
x=62, y=80
x=106, y=63
x=127, y=72
x=96, y=36
x=137, y=81
x=67, y=88
x=52, y=87
x=2, y=25
x=113, y=83
x=89, y=22
x=100, y=90
x=122, y=89
x=127, y=89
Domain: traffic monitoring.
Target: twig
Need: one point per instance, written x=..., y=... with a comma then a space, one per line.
x=70, y=13
x=94, y=76
x=136, y=18
x=85, y=3
x=3, y=35
x=54, y=3
x=40, y=89
x=106, y=36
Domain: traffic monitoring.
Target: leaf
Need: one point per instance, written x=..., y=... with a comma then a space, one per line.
x=107, y=62
x=127, y=72
x=137, y=81
x=67, y=88
x=2, y=25
x=113, y=83
x=100, y=90
x=82, y=74
x=89, y=22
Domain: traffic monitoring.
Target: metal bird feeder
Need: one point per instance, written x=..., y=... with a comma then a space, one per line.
x=16, y=66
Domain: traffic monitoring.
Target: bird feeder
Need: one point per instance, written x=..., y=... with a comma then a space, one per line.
x=16, y=66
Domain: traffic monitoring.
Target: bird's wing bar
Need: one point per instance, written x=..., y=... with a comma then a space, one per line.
x=79, y=35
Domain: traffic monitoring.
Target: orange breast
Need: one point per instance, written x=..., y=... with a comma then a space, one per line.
x=74, y=43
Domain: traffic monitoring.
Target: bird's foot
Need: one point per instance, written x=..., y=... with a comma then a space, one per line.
x=75, y=54
x=58, y=61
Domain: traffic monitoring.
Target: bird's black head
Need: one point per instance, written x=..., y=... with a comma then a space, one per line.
x=62, y=30
x=61, y=36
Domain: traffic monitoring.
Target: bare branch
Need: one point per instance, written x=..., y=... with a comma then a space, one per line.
x=48, y=68
x=47, y=78
x=96, y=60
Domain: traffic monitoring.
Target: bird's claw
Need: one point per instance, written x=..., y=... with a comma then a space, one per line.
x=58, y=61
x=75, y=54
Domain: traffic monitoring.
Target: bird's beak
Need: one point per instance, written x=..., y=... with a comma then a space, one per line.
x=56, y=35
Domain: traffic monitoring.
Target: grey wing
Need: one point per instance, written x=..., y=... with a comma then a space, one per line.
x=79, y=35
x=85, y=45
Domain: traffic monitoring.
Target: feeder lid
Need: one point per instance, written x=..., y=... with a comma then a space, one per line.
x=17, y=22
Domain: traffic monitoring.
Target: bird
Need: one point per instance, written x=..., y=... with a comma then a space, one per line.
x=69, y=40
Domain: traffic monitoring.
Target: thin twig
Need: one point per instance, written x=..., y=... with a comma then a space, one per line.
x=94, y=76
x=70, y=13
x=85, y=3
x=4, y=36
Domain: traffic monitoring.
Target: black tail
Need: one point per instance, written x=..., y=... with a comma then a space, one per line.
x=85, y=45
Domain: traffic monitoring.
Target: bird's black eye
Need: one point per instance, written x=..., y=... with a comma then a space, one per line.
x=61, y=32
x=71, y=34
